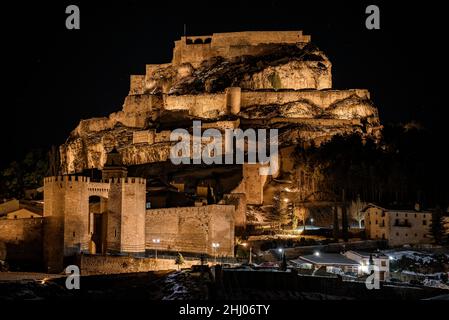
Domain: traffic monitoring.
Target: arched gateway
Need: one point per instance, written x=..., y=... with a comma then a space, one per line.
x=73, y=226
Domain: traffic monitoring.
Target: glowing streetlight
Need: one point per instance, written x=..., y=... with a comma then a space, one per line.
x=215, y=246
x=156, y=242
x=245, y=244
x=316, y=253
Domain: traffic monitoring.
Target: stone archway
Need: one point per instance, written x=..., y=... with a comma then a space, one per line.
x=98, y=224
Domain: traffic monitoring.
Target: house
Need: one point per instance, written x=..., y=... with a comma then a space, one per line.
x=23, y=213
x=332, y=262
x=399, y=227
x=379, y=260
x=9, y=206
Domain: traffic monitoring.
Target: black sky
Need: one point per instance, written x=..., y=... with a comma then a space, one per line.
x=53, y=77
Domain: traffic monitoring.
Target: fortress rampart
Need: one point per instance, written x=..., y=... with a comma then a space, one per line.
x=127, y=227
x=192, y=229
x=70, y=227
x=195, y=49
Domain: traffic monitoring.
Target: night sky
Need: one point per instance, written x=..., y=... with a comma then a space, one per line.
x=53, y=77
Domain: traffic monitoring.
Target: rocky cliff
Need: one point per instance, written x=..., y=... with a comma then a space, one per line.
x=278, y=85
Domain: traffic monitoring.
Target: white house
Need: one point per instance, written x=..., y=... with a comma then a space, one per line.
x=399, y=227
x=379, y=260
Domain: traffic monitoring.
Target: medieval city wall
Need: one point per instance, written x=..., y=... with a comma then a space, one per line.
x=320, y=98
x=198, y=48
x=22, y=237
x=133, y=216
x=68, y=226
x=94, y=265
x=198, y=105
x=137, y=108
x=191, y=229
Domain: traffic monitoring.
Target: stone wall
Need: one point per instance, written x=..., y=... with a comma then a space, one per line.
x=203, y=105
x=95, y=264
x=133, y=197
x=69, y=228
x=196, y=49
x=239, y=201
x=252, y=184
x=23, y=238
x=191, y=229
x=320, y=98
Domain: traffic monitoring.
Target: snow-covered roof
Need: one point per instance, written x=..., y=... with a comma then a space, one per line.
x=327, y=259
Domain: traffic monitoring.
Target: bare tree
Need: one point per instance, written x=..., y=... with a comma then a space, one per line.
x=355, y=211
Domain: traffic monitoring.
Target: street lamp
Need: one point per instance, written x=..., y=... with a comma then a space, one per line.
x=311, y=221
x=250, y=252
x=281, y=252
x=156, y=242
x=215, y=246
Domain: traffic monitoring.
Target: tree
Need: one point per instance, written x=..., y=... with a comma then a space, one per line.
x=344, y=224
x=336, y=226
x=28, y=173
x=179, y=261
x=355, y=211
x=437, y=229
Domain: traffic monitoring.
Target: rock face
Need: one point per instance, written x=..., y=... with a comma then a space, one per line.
x=247, y=79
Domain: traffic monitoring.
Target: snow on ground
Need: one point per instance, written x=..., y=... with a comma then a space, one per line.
x=414, y=255
x=435, y=284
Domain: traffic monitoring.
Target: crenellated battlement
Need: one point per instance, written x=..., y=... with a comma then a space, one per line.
x=194, y=49
x=66, y=179
x=82, y=179
x=128, y=180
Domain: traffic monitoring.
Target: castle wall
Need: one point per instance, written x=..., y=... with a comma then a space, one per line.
x=191, y=229
x=230, y=102
x=136, y=84
x=321, y=98
x=23, y=238
x=239, y=201
x=133, y=215
x=68, y=227
x=53, y=241
x=204, y=105
x=91, y=265
x=113, y=233
x=258, y=37
x=76, y=217
x=231, y=44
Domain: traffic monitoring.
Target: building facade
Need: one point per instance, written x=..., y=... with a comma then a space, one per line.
x=398, y=227
x=365, y=259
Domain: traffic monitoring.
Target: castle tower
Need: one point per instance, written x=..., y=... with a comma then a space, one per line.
x=126, y=216
x=114, y=168
x=70, y=228
x=66, y=213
